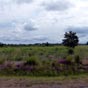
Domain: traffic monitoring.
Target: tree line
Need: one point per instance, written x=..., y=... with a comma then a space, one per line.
x=70, y=39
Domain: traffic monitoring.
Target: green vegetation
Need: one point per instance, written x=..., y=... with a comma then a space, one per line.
x=41, y=60
x=39, y=52
x=23, y=53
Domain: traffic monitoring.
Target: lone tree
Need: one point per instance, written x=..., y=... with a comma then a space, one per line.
x=70, y=40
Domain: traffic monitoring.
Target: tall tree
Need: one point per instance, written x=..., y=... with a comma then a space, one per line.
x=70, y=39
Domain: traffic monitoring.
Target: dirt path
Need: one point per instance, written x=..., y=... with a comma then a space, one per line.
x=29, y=83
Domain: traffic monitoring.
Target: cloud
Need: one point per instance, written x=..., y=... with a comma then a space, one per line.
x=83, y=0
x=58, y=5
x=7, y=25
x=40, y=38
x=49, y=17
x=31, y=39
x=23, y=1
x=81, y=31
x=29, y=27
x=18, y=32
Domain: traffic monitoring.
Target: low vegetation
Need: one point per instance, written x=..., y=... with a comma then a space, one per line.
x=42, y=61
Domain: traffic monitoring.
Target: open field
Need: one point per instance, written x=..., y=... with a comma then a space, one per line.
x=38, y=67
x=42, y=60
x=25, y=52
x=44, y=82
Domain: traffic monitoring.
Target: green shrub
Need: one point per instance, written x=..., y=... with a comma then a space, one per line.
x=70, y=51
x=77, y=59
x=1, y=61
x=32, y=61
x=69, y=58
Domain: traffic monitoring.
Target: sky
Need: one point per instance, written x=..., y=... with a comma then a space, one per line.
x=39, y=21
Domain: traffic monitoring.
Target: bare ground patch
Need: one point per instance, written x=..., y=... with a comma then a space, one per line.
x=43, y=83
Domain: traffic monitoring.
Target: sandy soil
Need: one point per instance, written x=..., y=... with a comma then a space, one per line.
x=28, y=83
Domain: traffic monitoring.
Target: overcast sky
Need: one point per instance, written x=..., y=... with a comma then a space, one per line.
x=37, y=21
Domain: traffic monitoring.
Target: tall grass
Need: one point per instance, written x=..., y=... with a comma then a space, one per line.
x=21, y=53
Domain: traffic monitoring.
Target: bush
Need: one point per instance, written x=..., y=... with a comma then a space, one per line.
x=77, y=59
x=32, y=61
x=69, y=58
x=2, y=61
x=70, y=51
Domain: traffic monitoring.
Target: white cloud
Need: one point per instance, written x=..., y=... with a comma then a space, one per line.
x=23, y=1
x=31, y=21
x=57, y=5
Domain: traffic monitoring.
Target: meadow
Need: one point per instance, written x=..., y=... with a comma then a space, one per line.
x=40, y=60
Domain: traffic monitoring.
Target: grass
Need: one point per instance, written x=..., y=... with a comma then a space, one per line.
x=22, y=53
x=45, y=56
x=50, y=79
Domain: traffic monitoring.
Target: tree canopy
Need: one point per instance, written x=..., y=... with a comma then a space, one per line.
x=70, y=39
